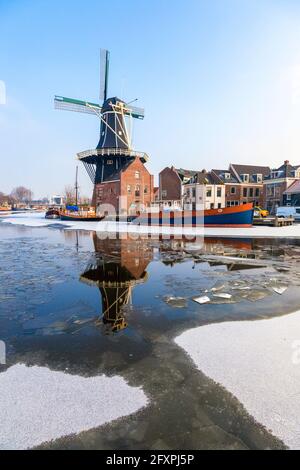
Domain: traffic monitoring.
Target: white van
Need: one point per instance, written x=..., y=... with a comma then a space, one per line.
x=289, y=211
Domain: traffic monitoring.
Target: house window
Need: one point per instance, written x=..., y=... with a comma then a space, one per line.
x=109, y=162
x=208, y=192
x=137, y=175
x=211, y=205
x=251, y=192
x=146, y=190
x=232, y=190
x=137, y=190
x=257, y=192
x=288, y=197
x=219, y=205
x=219, y=191
x=245, y=192
x=164, y=193
x=188, y=193
x=245, y=178
x=128, y=188
x=228, y=204
x=227, y=176
x=259, y=178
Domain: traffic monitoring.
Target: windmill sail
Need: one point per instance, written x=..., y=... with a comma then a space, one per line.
x=69, y=104
x=104, y=69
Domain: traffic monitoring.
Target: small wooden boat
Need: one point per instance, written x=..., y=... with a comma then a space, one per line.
x=52, y=214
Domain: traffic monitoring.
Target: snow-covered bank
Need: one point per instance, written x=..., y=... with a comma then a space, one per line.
x=259, y=363
x=38, y=220
x=39, y=405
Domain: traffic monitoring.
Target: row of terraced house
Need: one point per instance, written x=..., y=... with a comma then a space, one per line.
x=239, y=184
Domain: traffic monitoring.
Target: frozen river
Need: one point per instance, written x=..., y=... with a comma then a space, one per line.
x=108, y=310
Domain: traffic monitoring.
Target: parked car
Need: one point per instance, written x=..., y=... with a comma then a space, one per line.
x=259, y=212
x=288, y=211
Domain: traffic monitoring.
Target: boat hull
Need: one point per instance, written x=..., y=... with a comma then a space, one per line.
x=74, y=218
x=237, y=216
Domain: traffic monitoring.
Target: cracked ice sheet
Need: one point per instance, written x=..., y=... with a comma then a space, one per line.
x=258, y=362
x=39, y=405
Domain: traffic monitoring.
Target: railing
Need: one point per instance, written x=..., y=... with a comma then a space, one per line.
x=111, y=152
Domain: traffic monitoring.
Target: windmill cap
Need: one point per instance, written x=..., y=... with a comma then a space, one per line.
x=107, y=105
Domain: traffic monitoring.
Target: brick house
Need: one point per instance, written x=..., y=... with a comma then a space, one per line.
x=277, y=184
x=171, y=181
x=127, y=191
x=291, y=197
x=243, y=184
x=204, y=190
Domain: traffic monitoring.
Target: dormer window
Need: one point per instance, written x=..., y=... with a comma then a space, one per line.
x=227, y=176
x=245, y=178
x=259, y=178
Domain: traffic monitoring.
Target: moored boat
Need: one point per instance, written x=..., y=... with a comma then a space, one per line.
x=52, y=214
x=80, y=218
x=235, y=216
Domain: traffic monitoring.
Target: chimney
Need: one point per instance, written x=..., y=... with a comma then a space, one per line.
x=286, y=162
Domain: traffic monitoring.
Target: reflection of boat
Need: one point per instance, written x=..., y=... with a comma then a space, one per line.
x=5, y=208
x=236, y=216
x=117, y=267
x=52, y=214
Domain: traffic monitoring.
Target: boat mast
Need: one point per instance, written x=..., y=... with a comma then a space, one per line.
x=76, y=186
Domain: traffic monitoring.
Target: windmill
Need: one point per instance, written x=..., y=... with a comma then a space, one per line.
x=114, y=150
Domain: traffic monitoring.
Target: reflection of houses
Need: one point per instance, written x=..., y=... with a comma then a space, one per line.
x=117, y=267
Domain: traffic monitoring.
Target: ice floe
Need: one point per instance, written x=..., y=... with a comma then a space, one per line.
x=39, y=405
x=259, y=363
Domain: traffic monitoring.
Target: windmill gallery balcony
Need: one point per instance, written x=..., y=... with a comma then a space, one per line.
x=87, y=155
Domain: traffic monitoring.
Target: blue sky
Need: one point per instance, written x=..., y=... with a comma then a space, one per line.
x=219, y=80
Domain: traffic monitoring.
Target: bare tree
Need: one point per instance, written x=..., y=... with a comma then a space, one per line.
x=70, y=195
x=22, y=194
